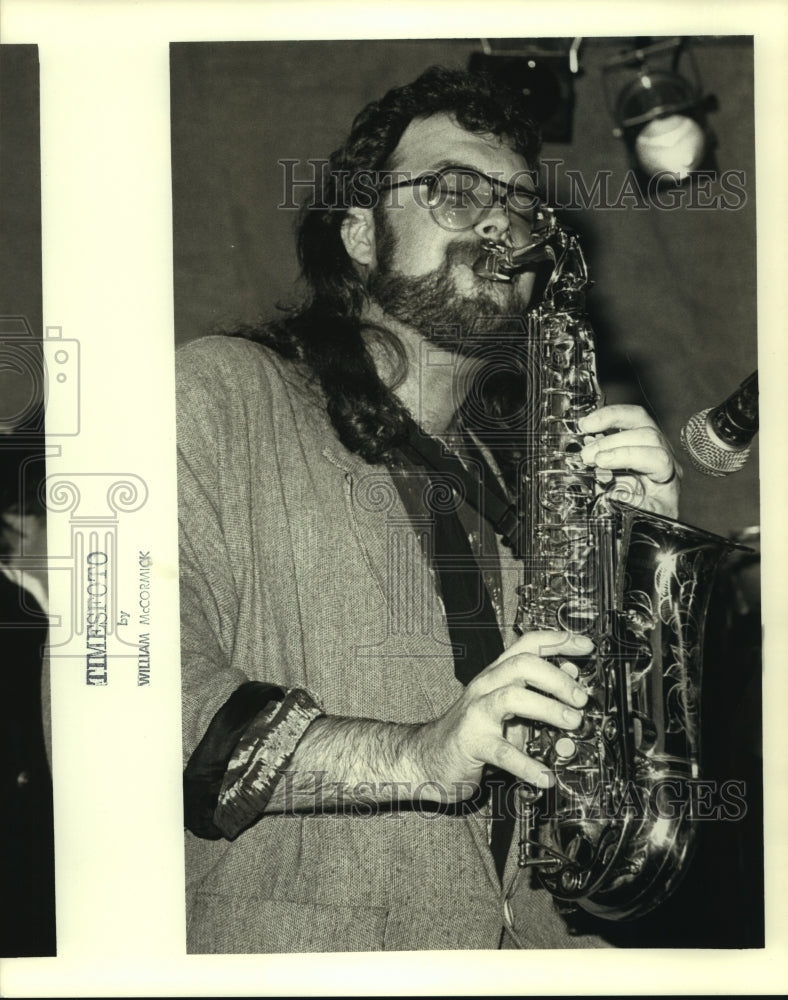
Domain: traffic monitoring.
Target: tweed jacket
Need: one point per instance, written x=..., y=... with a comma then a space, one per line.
x=300, y=567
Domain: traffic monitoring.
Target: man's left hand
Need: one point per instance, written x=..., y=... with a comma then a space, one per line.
x=627, y=441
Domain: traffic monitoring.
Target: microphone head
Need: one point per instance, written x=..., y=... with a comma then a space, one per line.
x=708, y=453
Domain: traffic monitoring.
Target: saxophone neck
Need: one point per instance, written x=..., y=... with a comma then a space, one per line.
x=554, y=250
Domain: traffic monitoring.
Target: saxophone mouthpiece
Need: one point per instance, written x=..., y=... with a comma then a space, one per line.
x=499, y=262
x=494, y=262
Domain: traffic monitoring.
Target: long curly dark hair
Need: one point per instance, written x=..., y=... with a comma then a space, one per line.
x=326, y=332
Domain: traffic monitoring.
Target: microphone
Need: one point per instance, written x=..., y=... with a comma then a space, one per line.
x=717, y=440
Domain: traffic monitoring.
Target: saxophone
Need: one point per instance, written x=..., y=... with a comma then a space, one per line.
x=616, y=833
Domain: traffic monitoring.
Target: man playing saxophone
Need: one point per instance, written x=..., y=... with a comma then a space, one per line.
x=355, y=695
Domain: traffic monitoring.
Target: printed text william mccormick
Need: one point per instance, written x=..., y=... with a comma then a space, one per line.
x=143, y=654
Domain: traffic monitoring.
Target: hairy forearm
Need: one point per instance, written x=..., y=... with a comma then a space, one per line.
x=341, y=763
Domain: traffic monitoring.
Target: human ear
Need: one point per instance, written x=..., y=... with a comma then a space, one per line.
x=358, y=235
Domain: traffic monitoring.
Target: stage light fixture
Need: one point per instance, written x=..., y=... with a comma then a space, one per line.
x=655, y=96
x=543, y=71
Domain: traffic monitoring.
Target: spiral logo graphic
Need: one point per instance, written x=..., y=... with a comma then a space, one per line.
x=60, y=495
x=127, y=495
x=376, y=494
x=510, y=382
x=444, y=495
x=627, y=489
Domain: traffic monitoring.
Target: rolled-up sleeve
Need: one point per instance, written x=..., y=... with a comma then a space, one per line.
x=238, y=731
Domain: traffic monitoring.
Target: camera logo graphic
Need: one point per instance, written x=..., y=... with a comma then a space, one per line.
x=38, y=375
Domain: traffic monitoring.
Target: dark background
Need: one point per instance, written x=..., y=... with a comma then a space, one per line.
x=674, y=305
x=674, y=309
x=20, y=186
x=27, y=878
x=20, y=233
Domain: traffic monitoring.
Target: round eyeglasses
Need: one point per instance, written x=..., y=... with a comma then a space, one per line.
x=459, y=197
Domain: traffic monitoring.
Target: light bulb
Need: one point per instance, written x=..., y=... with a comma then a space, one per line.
x=673, y=145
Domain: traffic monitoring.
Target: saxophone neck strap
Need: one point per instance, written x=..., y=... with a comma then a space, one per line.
x=479, y=483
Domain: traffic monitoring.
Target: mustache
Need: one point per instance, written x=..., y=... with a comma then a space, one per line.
x=463, y=252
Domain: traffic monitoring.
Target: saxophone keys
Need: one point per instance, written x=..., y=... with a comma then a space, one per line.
x=565, y=749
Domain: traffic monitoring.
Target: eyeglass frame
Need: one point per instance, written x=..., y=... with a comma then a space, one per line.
x=504, y=198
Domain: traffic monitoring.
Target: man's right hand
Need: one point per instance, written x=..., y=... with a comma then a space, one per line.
x=452, y=751
x=341, y=762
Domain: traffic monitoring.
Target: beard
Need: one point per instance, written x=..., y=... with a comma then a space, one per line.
x=437, y=306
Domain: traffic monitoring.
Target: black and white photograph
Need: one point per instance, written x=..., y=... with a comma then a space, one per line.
x=27, y=887
x=468, y=493
x=391, y=542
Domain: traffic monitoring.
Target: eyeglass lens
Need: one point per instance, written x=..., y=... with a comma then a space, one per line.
x=458, y=200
